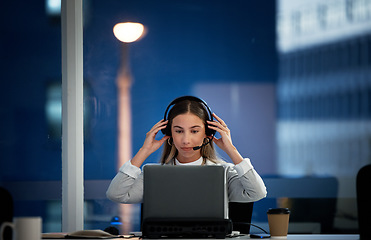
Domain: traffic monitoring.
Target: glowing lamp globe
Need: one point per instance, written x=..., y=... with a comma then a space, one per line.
x=128, y=32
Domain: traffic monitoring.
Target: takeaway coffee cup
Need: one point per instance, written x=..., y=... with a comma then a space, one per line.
x=24, y=228
x=278, y=220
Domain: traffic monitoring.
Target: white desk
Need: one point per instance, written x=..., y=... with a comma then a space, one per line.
x=321, y=237
x=300, y=237
x=289, y=237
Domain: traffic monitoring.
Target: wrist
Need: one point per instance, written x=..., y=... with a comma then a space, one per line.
x=140, y=157
x=144, y=151
x=235, y=155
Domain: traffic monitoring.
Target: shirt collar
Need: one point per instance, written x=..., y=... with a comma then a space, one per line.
x=197, y=162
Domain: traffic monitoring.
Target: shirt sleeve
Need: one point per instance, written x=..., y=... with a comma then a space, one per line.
x=244, y=183
x=127, y=185
x=243, y=167
x=130, y=170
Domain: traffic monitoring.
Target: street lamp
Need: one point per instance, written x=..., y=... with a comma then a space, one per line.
x=128, y=32
x=125, y=32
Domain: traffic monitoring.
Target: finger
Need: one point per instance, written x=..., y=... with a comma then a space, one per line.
x=153, y=133
x=154, y=130
x=220, y=120
x=163, y=139
x=225, y=133
x=159, y=129
x=218, y=125
x=220, y=129
x=217, y=141
x=160, y=125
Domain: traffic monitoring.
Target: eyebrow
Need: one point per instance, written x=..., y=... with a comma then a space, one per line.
x=196, y=126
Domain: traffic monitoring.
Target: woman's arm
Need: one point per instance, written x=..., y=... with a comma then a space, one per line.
x=225, y=141
x=127, y=185
x=244, y=183
x=150, y=144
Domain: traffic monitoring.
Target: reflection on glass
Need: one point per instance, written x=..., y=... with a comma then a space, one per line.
x=128, y=32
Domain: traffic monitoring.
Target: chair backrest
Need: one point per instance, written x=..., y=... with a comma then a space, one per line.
x=240, y=213
x=363, y=201
x=6, y=211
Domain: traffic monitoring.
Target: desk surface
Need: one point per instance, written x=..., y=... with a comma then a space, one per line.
x=292, y=237
x=321, y=237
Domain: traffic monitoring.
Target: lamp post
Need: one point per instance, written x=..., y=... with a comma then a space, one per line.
x=125, y=32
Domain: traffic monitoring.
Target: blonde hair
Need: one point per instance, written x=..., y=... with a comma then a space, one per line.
x=188, y=106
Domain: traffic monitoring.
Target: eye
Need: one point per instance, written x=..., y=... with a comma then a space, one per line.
x=178, y=131
x=194, y=131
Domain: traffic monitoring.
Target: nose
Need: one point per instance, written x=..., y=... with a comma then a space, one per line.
x=186, y=139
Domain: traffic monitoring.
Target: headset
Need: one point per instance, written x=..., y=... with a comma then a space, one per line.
x=208, y=131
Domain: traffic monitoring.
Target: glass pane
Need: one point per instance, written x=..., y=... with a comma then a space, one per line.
x=30, y=110
x=210, y=49
x=308, y=123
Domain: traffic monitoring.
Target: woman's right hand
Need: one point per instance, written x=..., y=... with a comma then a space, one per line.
x=150, y=144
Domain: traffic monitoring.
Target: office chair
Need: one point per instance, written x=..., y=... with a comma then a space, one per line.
x=6, y=211
x=240, y=213
x=363, y=202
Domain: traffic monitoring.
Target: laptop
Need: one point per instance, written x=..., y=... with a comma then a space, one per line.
x=185, y=201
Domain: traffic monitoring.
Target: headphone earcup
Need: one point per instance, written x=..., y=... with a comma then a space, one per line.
x=166, y=131
x=209, y=132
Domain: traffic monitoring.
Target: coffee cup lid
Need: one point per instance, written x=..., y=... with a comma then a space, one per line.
x=278, y=211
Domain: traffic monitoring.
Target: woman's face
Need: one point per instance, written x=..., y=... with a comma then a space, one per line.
x=188, y=131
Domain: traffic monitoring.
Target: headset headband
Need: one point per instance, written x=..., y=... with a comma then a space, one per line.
x=191, y=98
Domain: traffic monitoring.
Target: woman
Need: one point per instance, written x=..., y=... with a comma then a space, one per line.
x=189, y=132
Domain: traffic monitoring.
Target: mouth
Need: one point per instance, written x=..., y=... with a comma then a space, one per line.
x=186, y=148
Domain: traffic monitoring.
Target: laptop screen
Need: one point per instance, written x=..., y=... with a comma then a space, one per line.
x=185, y=192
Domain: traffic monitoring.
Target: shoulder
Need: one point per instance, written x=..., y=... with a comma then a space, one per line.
x=220, y=162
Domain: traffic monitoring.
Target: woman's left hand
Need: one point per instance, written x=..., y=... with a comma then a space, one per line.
x=225, y=141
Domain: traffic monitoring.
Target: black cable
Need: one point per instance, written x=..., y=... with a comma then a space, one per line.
x=246, y=223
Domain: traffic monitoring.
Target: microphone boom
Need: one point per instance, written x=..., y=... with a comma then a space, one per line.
x=198, y=147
